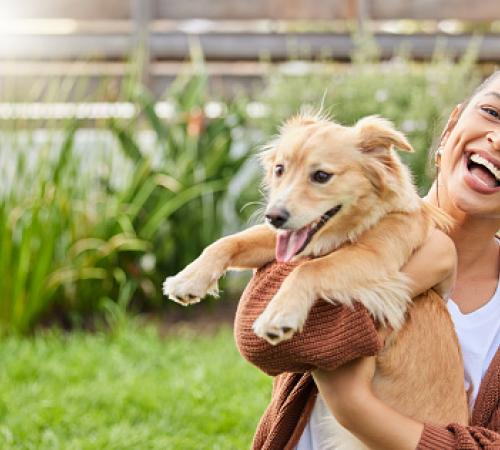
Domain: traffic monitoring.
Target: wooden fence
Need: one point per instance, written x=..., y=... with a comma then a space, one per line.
x=485, y=10
x=42, y=37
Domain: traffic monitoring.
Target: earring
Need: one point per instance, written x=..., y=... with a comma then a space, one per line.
x=437, y=156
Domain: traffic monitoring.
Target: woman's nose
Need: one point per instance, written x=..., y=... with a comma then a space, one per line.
x=494, y=139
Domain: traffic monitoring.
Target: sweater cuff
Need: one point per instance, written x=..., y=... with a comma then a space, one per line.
x=354, y=335
x=434, y=437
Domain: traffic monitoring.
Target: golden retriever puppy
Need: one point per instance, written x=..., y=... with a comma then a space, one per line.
x=341, y=197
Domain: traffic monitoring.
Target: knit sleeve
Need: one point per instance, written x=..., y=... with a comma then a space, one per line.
x=486, y=413
x=458, y=437
x=332, y=335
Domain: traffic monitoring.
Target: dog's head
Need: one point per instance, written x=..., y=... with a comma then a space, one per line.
x=327, y=183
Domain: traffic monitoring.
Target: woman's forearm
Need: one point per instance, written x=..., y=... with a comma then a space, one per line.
x=374, y=423
x=382, y=428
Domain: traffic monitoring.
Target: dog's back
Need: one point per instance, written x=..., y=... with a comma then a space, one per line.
x=420, y=370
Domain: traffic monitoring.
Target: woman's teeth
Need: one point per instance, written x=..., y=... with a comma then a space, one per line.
x=486, y=164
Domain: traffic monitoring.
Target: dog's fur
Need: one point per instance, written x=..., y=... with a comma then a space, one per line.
x=358, y=256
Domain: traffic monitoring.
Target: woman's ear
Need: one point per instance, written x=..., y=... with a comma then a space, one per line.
x=450, y=124
x=377, y=134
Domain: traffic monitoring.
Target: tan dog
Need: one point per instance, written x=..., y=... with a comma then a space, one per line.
x=341, y=195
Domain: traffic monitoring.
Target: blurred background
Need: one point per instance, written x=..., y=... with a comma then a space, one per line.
x=128, y=130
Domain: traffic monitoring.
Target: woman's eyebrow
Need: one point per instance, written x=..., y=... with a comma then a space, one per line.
x=494, y=94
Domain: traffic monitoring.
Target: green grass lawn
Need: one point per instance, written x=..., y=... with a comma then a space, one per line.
x=129, y=389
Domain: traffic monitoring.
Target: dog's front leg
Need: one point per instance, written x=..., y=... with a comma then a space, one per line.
x=367, y=271
x=343, y=277
x=249, y=249
x=287, y=312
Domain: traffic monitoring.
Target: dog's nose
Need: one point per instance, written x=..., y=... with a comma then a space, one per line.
x=277, y=217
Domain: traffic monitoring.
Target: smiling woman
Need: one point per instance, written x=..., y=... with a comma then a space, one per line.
x=469, y=157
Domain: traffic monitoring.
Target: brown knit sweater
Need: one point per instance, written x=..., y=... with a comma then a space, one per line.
x=332, y=336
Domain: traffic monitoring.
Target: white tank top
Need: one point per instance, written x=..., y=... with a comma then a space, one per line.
x=479, y=336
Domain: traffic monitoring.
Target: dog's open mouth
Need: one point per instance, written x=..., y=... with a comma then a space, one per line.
x=291, y=242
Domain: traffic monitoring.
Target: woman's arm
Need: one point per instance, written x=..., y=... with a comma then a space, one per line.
x=333, y=334
x=347, y=392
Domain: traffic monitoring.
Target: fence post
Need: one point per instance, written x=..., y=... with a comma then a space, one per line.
x=142, y=15
x=362, y=15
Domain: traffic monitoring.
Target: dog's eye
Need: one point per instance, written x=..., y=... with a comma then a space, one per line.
x=279, y=169
x=320, y=177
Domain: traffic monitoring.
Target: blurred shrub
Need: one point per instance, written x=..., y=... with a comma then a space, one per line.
x=417, y=97
x=84, y=231
x=75, y=235
x=177, y=199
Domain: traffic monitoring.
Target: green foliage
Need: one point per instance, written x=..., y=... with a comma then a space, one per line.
x=417, y=97
x=48, y=235
x=128, y=390
x=176, y=197
x=82, y=230
x=74, y=234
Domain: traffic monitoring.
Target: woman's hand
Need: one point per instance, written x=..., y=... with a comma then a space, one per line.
x=433, y=265
x=347, y=387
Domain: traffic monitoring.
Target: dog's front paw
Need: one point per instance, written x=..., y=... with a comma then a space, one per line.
x=277, y=327
x=189, y=287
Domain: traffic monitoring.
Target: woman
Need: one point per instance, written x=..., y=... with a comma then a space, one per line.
x=334, y=336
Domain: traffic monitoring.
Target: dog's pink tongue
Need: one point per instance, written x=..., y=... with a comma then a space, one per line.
x=289, y=243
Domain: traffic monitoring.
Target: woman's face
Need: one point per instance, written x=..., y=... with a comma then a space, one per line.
x=470, y=159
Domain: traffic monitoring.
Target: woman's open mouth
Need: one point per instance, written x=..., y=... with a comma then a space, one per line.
x=292, y=242
x=482, y=174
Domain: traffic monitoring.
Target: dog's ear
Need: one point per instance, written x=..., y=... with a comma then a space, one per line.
x=379, y=135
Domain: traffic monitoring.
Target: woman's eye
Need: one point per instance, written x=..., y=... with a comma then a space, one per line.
x=320, y=176
x=279, y=169
x=491, y=111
